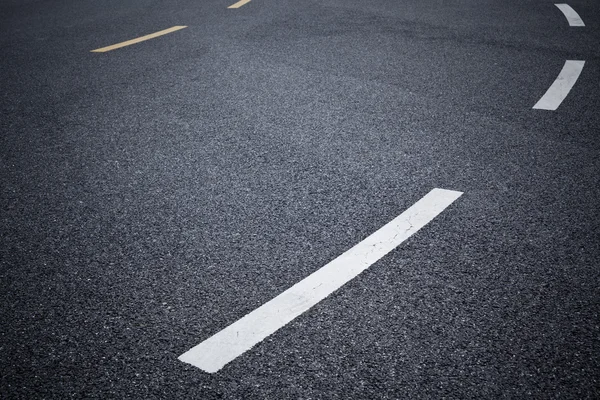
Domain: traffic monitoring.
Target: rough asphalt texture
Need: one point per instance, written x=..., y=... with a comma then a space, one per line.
x=152, y=195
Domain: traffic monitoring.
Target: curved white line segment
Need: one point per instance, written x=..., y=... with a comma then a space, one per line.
x=570, y=14
x=561, y=86
x=218, y=350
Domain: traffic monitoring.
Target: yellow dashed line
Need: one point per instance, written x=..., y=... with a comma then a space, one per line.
x=137, y=40
x=239, y=4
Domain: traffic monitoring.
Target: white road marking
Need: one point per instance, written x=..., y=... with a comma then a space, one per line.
x=561, y=86
x=570, y=14
x=215, y=352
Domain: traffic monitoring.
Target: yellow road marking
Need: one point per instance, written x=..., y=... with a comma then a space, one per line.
x=140, y=39
x=239, y=4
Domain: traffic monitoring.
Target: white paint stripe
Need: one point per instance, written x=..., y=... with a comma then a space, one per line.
x=570, y=14
x=218, y=350
x=561, y=86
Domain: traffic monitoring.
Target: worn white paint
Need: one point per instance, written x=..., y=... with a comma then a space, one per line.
x=561, y=87
x=218, y=350
x=571, y=15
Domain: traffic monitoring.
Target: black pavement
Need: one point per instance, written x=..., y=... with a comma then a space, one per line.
x=152, y=195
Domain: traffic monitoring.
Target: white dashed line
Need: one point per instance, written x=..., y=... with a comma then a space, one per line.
x=570, y=14
x=561, y=86
x=215, y=352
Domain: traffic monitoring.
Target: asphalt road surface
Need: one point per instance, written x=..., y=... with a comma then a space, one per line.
x=154, y=194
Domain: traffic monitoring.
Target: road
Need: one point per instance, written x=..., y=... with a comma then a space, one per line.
x=155, y=193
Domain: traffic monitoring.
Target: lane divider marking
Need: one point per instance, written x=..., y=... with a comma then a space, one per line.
x=218, y=350
x=561, y=87
x=239, y=4
x=137, y=40
x=571, y=15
